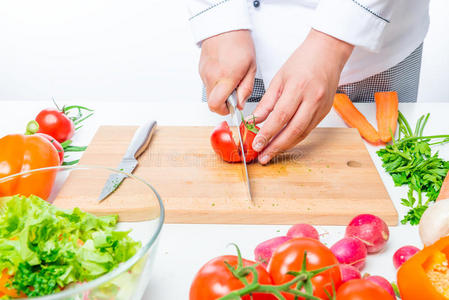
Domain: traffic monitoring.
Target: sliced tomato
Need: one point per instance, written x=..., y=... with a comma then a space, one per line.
x=248, y=138
x=225, y=146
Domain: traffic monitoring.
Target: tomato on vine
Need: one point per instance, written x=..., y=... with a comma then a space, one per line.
x=288, y=258
x=215, y=279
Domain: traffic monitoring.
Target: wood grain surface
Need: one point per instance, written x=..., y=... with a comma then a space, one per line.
x=327, y=179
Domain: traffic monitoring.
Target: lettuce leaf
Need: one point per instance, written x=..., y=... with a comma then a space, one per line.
x=47, y=248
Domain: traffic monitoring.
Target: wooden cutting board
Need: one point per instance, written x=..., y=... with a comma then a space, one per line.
x=327, y=179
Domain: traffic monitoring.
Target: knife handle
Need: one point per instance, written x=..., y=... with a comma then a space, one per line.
x=141, y=140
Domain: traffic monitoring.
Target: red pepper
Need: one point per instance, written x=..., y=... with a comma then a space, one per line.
x=224, y=145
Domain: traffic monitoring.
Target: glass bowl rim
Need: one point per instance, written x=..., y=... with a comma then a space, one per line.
x=121, y=267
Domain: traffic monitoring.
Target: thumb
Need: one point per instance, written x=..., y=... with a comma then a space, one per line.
x=219, y=94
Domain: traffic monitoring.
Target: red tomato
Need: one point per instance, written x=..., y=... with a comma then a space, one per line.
x=214, y=280
x=362, y=289
x=55, y=144
x=224, y=145
x=289, y=257
x=248, y=138
x=56, y=124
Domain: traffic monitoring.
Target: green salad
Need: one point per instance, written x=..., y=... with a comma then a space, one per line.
x=43, y=249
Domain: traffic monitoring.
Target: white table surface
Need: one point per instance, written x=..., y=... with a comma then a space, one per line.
x=183, y=249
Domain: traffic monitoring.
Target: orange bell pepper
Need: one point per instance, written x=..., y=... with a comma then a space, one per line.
x=426, y=274
x=20, y=153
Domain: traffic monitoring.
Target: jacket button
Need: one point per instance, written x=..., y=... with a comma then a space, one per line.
x=256, y=3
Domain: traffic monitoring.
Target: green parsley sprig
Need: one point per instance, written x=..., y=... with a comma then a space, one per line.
x=409, y=161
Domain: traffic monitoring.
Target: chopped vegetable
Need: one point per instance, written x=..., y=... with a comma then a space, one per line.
x=386, y=114
x=409, y=160
x=27, y=152
x=303, y=230
x=426, y=274
x=354, y=118
x=383, y=283
x=371, y=230
x=264, y=250
x=224, y=145
x=403, y=254
x=45, y=248
x=351, y=251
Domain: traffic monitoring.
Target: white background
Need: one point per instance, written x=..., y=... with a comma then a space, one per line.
x=134, y=50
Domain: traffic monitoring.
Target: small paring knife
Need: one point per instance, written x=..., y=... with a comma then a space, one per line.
x=138, y=145
x=236, y=115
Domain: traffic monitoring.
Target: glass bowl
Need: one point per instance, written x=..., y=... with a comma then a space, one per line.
x=130, y=279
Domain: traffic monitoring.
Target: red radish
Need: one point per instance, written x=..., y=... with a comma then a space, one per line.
x=403, y=254
x=382, y=282
x=303, y=230
x=371, y=230
x=349, y=272
x=264, y=250
x=350, y=251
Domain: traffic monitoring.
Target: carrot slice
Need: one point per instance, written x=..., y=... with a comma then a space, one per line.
x=387, y=114
x=354, y=118
x=5, y=278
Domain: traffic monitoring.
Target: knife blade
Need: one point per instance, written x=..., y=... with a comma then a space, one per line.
x=236, y=116
x=138, y=145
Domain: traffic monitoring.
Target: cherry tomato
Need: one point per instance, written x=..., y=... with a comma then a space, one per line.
x=56, y=124
x=55, y=144
x=362, y=289
x=224, y=145
x=289, y=257
x=214, y=280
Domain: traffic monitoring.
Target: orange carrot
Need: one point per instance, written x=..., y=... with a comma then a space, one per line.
x=354, y=118
x=444, y=191
x=5, y=280
x=387, y=114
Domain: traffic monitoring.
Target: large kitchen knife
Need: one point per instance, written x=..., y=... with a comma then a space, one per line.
x=139, y=143
x=236, y=116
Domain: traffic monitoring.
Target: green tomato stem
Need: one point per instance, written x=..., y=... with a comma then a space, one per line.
x=32, y=127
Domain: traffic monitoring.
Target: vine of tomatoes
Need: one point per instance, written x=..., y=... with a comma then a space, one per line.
x=58, y=125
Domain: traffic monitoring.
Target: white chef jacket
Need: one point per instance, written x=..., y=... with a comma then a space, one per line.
x=384, y=32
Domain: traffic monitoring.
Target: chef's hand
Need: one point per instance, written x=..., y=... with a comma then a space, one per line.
x=227, y=62
x=300, y=94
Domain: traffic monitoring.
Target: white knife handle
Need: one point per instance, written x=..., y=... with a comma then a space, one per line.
x=141, y=140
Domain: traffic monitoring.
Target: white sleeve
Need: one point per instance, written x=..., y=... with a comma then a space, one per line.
x=212, y=17
x=358, y=22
